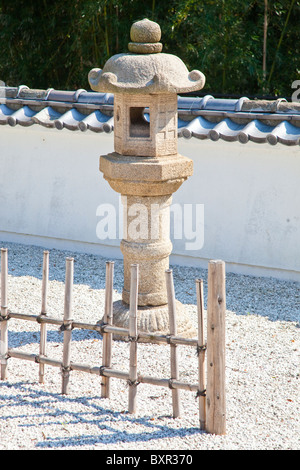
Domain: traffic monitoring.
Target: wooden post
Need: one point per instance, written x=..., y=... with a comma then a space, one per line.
x=4, y=329
x=216, y=309
x=132, y=337
x=173, y=332
x=67, y=325
x=43, y=330
x=108, y=319
x=201, y=352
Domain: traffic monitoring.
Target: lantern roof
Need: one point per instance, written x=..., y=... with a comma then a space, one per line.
x=145, y=69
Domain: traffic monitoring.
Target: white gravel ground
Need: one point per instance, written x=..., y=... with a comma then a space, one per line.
x=262, y=367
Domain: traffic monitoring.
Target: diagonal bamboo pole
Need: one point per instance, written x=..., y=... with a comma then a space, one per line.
x=132, y=337
x=108, y=319
x=173, y=332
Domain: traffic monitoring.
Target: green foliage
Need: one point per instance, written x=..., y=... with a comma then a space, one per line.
x=54, y=44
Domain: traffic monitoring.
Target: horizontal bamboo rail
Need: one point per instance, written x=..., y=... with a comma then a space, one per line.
x=212, y=409
x=17, y=354
x=104, y=371
x=103, y=328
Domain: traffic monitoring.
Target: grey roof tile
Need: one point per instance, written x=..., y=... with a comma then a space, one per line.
x=256, y=131
x=46, y=117
x=22, y=116
x=285, y=133
x=70, y=120
x=199, y=127
x=5, y=112
x=97, y=122
x=226, y=130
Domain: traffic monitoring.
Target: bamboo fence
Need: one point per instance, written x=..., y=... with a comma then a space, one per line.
x=212, y=400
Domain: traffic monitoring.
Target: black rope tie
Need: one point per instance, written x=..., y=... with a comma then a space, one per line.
x=170, y=340
x=201, y=348
x=102, y=325
x=66, y=326
x=132, y=383
x=132, y=339
x=5, y=317
x=200, y=393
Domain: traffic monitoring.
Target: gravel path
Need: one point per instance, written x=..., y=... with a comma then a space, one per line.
x=262, y=366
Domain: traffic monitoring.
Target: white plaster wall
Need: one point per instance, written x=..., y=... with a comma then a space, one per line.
x=50, y=188
x=251, y=196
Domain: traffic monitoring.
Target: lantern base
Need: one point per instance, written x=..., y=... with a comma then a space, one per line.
x=154, y=320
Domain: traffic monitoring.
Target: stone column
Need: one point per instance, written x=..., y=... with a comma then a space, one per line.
x=146, y=242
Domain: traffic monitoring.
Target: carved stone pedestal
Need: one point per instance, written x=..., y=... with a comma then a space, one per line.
x=154, y=319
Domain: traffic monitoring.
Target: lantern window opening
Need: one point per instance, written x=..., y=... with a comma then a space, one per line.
x=139, y=123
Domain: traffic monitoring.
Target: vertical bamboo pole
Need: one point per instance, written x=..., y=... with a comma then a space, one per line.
x=108, y=318
x=133, y=336
x=201, y=351
x=173, y=332
x=216, y=309
x=4, y=329
x=67, y=325
x=43, y=340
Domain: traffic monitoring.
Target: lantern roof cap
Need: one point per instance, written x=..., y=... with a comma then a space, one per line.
x=145, y=69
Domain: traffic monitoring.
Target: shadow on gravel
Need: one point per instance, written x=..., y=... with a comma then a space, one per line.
x=21, y=338
x=36, y=404
x=245, y=295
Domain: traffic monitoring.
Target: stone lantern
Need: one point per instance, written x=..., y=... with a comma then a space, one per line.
x=145, y=167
